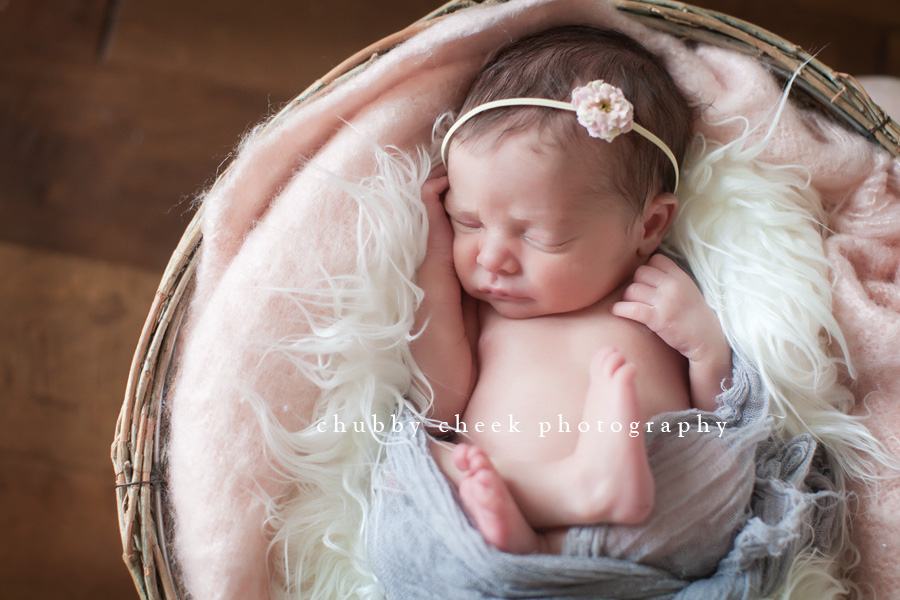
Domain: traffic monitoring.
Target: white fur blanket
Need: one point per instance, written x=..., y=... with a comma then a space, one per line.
x=277, y=222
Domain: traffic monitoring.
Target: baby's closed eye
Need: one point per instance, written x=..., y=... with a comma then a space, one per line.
x=463, y=222
x=547, y=242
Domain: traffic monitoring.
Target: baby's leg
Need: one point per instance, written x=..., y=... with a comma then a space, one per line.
x=490, y=504
x=607, y=479
x=618, y=460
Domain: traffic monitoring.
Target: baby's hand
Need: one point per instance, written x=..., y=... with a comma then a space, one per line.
x=665, y=299
x=437, y=274
x=440, y=233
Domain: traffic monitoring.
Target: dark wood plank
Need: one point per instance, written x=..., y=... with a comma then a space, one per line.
x=880, y=12
x=60, y=538
x=111, y=122
x=892, y=54
x=103, y=161
x=271, y=45
x=847, y=39
x=51, y=30
x=102, y=151
x=68, y=328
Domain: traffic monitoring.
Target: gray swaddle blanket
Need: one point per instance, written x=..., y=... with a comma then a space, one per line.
x=733, y=508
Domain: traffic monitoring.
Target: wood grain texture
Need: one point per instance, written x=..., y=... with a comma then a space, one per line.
x=109, y=132
x=115, y=115
x=67, y=331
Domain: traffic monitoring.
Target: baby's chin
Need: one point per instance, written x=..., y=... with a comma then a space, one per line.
x=529, y=308
x=518, y=307
x=519, y=310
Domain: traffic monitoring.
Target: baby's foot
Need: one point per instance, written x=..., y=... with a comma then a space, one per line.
x=611, y=394
x=616, y=459
x=490, y=504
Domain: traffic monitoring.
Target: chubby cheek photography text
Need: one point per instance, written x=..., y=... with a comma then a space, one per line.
x=540, y=429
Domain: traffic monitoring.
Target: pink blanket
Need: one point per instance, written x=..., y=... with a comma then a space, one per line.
x=865, y=252
x=273, y=222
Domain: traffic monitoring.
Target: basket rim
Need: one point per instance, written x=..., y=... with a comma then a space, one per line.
x=136, y=453
x=839, y=94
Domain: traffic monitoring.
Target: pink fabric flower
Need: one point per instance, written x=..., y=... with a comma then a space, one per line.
x=603, y=109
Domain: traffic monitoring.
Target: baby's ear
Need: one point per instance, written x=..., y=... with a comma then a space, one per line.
x=657, y=217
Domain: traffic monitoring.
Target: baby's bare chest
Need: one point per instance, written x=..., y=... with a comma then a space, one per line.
x=535, y=373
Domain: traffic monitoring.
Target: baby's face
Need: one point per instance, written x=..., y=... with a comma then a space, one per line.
x=532, y=236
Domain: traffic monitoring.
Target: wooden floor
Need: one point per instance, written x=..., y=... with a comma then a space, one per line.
x=114, y=115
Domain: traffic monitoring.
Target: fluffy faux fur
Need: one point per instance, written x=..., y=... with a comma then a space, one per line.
x=251, y=390
x=357, y=353
x=752, y=233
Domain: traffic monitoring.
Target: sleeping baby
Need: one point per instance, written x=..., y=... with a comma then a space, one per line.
x=545, y=298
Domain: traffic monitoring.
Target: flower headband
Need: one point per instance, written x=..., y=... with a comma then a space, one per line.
x=600, y=107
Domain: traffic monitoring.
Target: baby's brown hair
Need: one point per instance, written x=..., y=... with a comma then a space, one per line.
x=551, y=63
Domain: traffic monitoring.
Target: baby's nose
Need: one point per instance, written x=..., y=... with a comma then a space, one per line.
x=495, y=256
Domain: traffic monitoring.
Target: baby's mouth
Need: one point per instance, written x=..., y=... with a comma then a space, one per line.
x=500, y=295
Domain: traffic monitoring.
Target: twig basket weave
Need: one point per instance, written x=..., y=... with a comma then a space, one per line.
x=139, y=446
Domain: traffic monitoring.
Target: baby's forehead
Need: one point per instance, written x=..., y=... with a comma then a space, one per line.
x=542, y=128
x=587, y=164
x=565, y=201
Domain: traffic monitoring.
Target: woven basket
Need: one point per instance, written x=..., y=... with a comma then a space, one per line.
x=139, y=447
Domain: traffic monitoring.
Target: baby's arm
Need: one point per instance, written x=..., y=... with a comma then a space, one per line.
x=665, y=299
x=442, y=350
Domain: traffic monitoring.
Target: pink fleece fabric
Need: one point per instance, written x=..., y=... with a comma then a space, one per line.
x=271, y=222
x=865, y=251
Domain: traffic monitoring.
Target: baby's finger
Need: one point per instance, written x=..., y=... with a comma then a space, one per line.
x=634, y=311
x=436, y=186
x=670, y=270
x=649, y=275
x=641, y=292
x=664, y=264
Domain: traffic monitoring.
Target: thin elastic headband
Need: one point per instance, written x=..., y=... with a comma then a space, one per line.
x=601, y=108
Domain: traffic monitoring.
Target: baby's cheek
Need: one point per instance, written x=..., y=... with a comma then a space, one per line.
x=463, y=261
x=461, y=250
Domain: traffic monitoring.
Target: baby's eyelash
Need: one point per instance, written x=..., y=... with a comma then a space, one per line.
x=465, y=223
x=546, y=245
